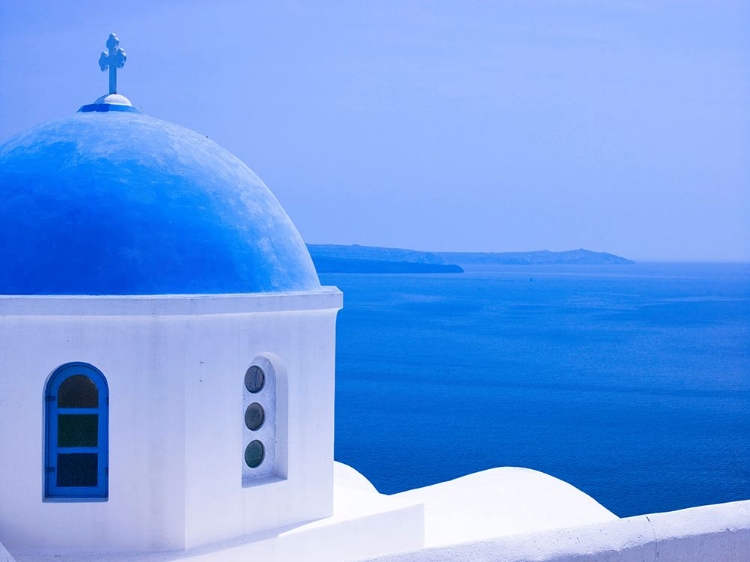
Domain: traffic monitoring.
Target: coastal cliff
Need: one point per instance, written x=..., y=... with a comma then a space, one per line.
x=332, y=258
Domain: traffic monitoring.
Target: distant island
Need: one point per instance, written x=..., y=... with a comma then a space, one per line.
x=541, y=257
x=346, y=265
x=333, y=258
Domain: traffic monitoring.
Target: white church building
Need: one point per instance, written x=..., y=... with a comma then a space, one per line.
x=167, y=375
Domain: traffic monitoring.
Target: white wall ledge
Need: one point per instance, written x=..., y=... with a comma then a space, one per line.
x=176, y=305
x=715, y=533
x=5, y=555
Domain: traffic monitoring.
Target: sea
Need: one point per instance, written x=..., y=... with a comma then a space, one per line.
x=630, y=382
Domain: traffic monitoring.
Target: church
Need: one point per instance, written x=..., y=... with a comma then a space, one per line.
x=167, y=377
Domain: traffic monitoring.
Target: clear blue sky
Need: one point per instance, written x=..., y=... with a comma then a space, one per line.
x=620, y=126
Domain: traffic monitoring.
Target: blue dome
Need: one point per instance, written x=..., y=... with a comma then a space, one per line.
x=119, y=203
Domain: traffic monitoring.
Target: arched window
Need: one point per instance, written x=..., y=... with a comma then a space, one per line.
x=76, y=436
x=264, y=427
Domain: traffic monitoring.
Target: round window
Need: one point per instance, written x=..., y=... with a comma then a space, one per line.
x=254, y=453
x=254, y=416
x=255, y=378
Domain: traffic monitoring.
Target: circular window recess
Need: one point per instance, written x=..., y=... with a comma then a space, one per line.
x=255, y=378
x=254, y=416
x=254, y=453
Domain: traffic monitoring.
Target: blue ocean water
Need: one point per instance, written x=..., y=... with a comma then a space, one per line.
x=631, y=382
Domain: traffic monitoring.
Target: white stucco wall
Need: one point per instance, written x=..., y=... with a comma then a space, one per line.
x=714, y=533
x=175, y=367
x=500, y=502
x=5, y=555
x=364, y=523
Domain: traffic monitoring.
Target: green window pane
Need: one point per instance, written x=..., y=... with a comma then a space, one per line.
x=254, y=454
x=77, y=430
x=78, y=391
x=77, y=470
x=255, y=378
x=254, y=416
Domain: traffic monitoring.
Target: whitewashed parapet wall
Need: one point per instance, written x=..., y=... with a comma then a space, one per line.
x=713, y=533
x=5, y=555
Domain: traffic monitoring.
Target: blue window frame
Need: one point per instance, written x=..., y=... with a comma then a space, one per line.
x=77, y=433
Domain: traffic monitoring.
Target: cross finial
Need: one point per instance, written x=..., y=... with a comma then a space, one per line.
x=114, y=59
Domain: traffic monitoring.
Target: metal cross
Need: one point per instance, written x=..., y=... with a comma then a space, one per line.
x=114, y=60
